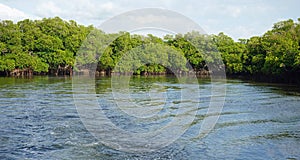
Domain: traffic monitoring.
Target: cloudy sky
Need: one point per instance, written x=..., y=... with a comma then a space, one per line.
x=236, y=18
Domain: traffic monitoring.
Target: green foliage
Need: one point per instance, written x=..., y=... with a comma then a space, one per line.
x=52, y=44
x=6, y=63
x=281, y=47
x=40, y=45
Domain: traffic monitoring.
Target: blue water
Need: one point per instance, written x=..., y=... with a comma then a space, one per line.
x=39, y=120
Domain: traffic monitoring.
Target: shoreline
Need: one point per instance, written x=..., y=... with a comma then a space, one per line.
x=249, y=78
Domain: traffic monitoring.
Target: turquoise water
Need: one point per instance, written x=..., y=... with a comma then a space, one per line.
x=39, y=120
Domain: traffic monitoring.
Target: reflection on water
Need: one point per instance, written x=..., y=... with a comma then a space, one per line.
x=39, y=120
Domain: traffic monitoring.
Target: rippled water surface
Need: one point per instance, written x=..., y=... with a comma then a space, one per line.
x=39, y=120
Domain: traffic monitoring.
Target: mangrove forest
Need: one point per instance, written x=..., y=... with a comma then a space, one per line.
x=51, y=46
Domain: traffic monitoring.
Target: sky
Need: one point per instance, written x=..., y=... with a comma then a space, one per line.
x=236, y=18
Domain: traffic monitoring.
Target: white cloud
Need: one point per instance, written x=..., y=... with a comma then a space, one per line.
x=82, y=11
x=213, y=15
x=8, y=13
x=238, y=32
x=234, y=11
x=108, y=6
x=48, y=8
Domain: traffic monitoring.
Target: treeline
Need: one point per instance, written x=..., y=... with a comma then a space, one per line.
x=51, y=45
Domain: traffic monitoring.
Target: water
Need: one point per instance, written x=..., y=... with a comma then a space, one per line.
x=39, y=120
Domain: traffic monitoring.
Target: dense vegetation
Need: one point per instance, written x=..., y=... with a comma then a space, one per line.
x=50, y=46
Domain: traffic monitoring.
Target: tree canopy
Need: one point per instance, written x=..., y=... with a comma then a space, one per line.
x=55, y=46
